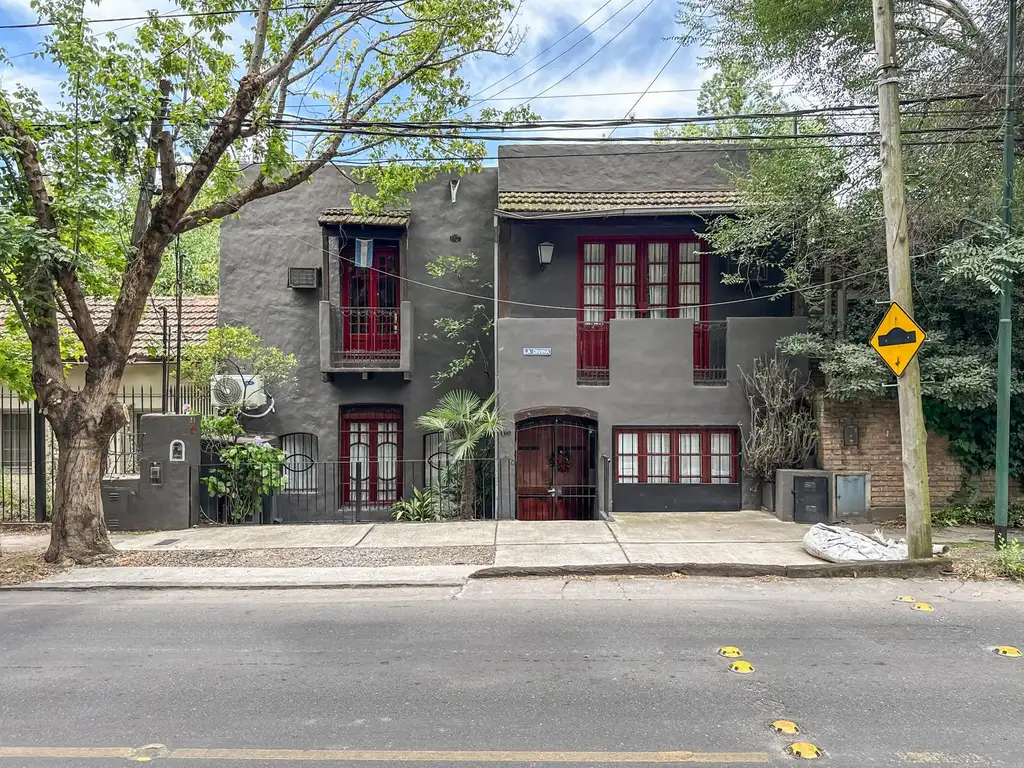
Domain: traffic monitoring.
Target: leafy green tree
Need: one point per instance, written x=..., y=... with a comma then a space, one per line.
x=69, y=167
x=468, y=424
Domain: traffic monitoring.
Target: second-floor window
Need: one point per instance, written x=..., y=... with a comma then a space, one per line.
x=370, y=295
x=633, y=277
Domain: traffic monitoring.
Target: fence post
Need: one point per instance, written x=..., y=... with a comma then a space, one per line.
x=39, y=460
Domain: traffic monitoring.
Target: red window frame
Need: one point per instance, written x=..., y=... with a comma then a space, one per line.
x=371, y=317
x=374, y=417
x=640, y=282
x=643, y=454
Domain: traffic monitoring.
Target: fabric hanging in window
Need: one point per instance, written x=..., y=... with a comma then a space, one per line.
x=364, y=253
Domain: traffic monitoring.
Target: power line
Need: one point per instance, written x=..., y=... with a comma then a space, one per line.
x=595, y=53
x=563, y=37
x=649, y=86
x=555, y=58
x=182, y=15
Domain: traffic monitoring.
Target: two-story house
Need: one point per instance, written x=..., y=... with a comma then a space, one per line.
x=618, y=348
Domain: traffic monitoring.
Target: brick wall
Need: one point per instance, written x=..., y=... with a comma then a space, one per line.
x=879, y=454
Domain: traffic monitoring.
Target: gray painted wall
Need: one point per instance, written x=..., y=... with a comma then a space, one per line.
x=280, y=232
x=618, y=168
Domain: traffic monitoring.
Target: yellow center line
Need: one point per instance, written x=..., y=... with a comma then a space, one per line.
x=403, y=756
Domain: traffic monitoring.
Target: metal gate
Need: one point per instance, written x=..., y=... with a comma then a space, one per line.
x=556, y=470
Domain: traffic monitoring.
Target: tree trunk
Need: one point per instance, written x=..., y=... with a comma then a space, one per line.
x=467, y=499
x=78, y=531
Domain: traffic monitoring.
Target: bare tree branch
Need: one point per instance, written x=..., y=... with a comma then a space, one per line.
x=259, y=40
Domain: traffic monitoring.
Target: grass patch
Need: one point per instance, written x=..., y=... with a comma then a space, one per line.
x=980, y=561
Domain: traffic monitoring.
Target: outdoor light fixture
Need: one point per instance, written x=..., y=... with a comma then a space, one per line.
x=545, y=251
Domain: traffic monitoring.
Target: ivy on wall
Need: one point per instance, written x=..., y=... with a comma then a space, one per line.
x=972, y=434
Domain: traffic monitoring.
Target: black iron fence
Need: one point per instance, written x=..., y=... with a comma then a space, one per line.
x=372, y=490
x=28, y=450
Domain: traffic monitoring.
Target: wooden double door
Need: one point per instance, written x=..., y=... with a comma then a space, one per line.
x=556, y=470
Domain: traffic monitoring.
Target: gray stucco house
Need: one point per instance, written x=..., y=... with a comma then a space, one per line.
x=617, y=350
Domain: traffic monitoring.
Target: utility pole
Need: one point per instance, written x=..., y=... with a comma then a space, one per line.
x=1006, y=297
x=147, y=186
x=897, y=245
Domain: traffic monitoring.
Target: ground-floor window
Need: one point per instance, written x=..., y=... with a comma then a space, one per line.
x=686, y=455
x=16, y=440
x=301, y=453
x=371, y=453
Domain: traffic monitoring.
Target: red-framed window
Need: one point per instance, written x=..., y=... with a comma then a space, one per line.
x=370, y=449
x=627, y=277
x=371, y=298
x=686, y=455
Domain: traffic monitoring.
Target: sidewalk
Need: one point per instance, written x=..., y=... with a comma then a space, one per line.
x=446, y=554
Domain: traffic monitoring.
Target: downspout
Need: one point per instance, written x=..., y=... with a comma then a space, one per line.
x=497, y=234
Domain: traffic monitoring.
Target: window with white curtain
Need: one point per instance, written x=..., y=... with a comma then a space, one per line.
x=371, y=454
x=684, y=455
x=655, y=277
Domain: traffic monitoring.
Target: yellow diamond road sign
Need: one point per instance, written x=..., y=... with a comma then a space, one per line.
x=897, y=338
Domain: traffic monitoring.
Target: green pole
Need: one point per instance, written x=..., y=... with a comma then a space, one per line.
x=1006, y=299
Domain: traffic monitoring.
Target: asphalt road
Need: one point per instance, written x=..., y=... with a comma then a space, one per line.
x=513, y=674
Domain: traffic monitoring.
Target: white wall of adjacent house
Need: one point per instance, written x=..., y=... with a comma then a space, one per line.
x=141, y=392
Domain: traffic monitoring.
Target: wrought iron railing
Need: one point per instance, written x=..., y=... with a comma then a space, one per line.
x=709, y=363
x=362, y=337
x=592, y=354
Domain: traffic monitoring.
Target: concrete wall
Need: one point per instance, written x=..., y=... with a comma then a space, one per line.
x=271, y=235
x=650, y=375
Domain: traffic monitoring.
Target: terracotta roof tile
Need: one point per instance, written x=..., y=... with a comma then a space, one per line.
x=395, y=217
x=571, y=202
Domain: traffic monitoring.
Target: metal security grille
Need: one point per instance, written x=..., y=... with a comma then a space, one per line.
x=556, y=475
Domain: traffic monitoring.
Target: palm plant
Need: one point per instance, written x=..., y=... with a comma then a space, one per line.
x=467, y=423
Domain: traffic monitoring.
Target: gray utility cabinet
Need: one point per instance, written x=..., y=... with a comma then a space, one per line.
x=818, y=496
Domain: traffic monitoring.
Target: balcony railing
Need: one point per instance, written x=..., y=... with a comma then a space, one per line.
x=709, y=366
x=592, y=354
x=365, y=339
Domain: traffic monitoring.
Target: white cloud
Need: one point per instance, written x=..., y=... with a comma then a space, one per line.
x=46, y=84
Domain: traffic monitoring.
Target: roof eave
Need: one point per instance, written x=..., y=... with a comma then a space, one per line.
x=617, y=212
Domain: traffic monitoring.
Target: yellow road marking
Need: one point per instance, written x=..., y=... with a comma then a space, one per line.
x=402, y=756
x=474, y=756
x=66, y=752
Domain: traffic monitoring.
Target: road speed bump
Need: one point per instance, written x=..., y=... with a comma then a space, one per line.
x=802, y=750
x=922, y=607
x=742, y=667
x=784, y=726
x=730, y=652
x=1007, y=650
x=904, y=599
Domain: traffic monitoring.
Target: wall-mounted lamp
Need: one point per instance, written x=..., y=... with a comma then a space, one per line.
x=544, y=252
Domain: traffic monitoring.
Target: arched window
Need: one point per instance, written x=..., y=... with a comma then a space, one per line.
x=300, y=463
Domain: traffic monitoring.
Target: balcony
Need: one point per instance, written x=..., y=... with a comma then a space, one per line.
x=365, y=340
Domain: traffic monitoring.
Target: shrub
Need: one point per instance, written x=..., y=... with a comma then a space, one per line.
x=979, y=513
x=1009, y=561
x=425, y=506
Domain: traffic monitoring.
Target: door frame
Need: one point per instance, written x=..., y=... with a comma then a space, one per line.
x=555, y=500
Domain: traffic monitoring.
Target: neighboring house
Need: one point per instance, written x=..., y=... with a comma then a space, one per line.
x=618, y=360
x=142, y=384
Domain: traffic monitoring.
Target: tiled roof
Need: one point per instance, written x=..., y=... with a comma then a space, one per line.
x=571, y=202
x=198, y=316
x=395, y=217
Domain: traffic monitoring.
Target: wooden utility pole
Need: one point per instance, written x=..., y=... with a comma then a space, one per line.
x=897, y=245
x=147, y=186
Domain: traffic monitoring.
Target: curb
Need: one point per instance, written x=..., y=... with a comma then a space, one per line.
x=158, y=587
x=933, y=566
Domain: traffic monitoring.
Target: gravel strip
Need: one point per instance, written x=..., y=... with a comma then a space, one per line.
x=311, y=557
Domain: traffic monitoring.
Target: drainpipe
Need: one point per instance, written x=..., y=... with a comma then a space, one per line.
x=497, y=234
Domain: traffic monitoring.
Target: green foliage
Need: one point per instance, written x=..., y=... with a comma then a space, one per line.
x=1009, y=561
x=16, y=355
x=200, y=257
x=979, y=513
x=250, y=472
x=989, y=258
x=425, y=506
x=468, y=331
x=237, y=350
x=972, y=434
x=221, y=428
x=468, y=425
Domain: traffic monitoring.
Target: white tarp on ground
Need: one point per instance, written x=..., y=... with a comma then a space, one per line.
x=844, y=545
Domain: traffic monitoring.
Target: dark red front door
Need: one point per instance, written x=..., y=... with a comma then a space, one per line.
x=555, y=471
x=371, y=302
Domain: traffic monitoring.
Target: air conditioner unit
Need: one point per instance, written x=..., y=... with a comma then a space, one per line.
x=234, y=391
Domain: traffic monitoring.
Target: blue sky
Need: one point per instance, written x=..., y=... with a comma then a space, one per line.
x=626, y=63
